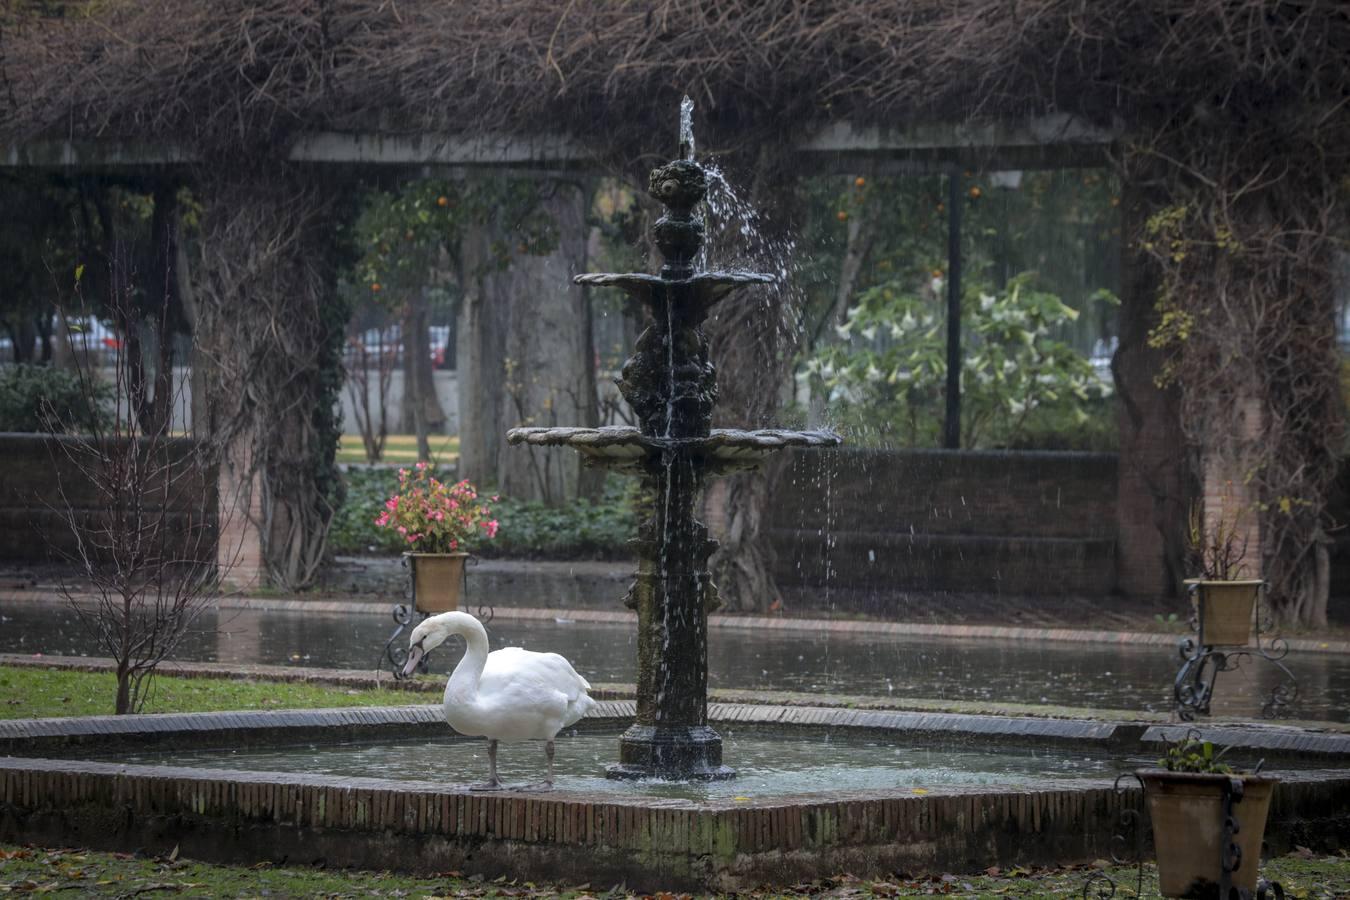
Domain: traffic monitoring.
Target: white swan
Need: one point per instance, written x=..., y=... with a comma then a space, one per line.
x=506, y=695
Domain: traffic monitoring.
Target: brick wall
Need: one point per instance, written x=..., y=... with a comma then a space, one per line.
x=937, y=520
x=40, y=484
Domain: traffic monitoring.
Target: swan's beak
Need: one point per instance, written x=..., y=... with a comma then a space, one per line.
x=415, y=654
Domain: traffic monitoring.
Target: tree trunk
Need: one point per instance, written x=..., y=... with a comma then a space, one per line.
x=480, y=347
x=22, y=334
x=550, y=357
x=421, y=410
x=1154, y=486
x=122, y=703
x=525, y=356
x=200, y=362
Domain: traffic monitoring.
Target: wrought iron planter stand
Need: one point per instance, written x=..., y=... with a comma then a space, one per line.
x=395, y=655
x=1128, y=847
x=1202, y=661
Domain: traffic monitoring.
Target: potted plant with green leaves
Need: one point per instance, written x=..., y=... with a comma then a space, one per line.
x=439, y=523
x=1190, y=797
x=1224, y=595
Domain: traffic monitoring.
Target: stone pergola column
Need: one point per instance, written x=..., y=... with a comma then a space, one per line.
x=264, y=283
x=1228, y=492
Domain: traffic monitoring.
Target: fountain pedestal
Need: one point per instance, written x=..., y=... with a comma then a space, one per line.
x=672, y=594
x=671, y=385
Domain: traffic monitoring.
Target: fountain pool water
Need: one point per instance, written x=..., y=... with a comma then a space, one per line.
x=768, y=764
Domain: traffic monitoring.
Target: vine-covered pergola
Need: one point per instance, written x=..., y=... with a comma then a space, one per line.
x=1228, y=120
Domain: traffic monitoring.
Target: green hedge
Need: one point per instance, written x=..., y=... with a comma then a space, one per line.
x=45, y=398
x=529, y=529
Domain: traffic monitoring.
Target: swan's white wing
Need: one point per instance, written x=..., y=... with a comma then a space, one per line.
x=546, y=669
x=530, y=695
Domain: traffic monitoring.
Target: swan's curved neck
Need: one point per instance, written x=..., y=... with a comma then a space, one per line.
x=463, y=681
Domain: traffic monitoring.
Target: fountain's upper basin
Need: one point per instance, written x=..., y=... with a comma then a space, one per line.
x=706, y=287
x=625, y=445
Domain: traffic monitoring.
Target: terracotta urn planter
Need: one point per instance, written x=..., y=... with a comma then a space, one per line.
x=1225, y=609
x=1186, y=809
x=437, y=580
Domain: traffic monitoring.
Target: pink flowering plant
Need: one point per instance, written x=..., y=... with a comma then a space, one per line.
x=431, y=516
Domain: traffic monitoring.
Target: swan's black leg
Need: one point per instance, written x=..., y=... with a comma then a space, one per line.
x=493, y=783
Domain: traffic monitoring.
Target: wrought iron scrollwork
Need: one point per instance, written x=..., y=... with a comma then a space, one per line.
x=1201, y=663
x=485, y=612
x=1127, y=845
x=1230, y=851
x=394, y=655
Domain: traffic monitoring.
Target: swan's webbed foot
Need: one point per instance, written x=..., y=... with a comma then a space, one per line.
x=535, y=786
x=493, y=785
x=547, y=783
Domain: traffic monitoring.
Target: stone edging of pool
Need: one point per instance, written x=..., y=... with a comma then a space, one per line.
x=869, y=627
x=49, y=794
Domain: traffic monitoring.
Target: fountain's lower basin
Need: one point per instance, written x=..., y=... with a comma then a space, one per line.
x=732, y=836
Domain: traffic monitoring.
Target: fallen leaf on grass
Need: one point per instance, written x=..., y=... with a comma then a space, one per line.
x=993, y=871
x=152, y=886
x=29, y=887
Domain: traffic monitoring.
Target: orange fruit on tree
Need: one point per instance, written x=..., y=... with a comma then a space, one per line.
x=442, y=201
x=375, y=286
x=859, y=181
x=842, y=216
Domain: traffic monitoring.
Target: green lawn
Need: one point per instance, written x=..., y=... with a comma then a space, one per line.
x=400, y=448
x=31, y=693
x=38, y=870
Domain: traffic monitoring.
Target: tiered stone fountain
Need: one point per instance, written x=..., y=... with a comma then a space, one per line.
x=671, y=385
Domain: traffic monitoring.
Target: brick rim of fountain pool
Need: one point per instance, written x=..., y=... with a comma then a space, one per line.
x=47, y=793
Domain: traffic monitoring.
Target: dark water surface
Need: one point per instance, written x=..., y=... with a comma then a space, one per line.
x=1105, y=676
